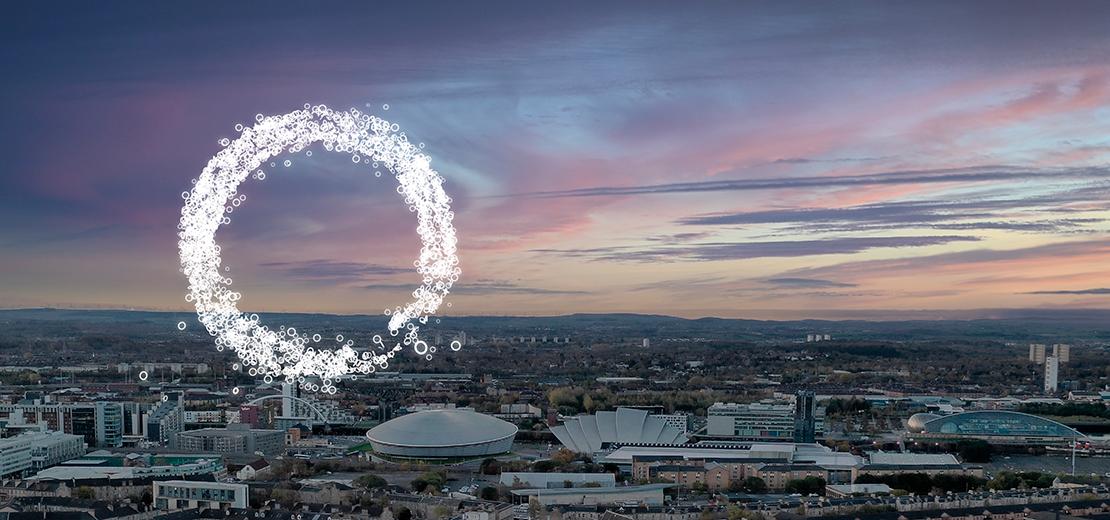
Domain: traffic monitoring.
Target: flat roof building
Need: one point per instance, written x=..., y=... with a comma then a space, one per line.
x=649, y=494
x=34, y=451
x=83, y=473
x=850, y=490
x=766, y=421
x=883, y=463
x=186, y=494
x=236, y=439
x=556, y=480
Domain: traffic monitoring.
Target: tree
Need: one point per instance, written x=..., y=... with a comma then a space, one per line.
x=754, y=485
x=433, y=480
x=736, y=512
x=85, y=493
x=488, y=493
x=371, y=482
x=373, y=508
x=285, y=497
x=490, y=467
x=563, y=457
x=544, y=466
x=974, y=450
x=806, y=486
x=535, y=509
x=1005, y=480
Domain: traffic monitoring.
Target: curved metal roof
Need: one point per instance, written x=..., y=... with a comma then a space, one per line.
x=999, y=423
x=441, y=428
x=590, y=433
x=916, y=423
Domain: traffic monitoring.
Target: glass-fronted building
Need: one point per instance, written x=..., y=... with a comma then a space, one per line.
x=183, y=494
x=995, y=426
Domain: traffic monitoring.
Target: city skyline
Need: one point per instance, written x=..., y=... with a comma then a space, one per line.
x=719, y=160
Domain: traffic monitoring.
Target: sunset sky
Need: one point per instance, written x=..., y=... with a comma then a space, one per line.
x=771, y=160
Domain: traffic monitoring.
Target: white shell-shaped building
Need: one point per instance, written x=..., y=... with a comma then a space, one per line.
x=626, y=426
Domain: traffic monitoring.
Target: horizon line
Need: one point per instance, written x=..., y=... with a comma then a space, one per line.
x=892, y=313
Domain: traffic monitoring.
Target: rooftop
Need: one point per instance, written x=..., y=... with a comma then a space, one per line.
x=447, y=427
x=622, y=490
x=913, y=459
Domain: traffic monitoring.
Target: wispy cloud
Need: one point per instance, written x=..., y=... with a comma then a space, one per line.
x=747, y=250
x=678, y=238
x=949, y=175
x=806, y=283
x=329, y=271
x=961, y=261
x=831, y=160
x=1097, y=290
x=1012, y=214
x=478, y=288
x=483, y=287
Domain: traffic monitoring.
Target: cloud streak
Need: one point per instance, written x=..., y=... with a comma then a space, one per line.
x=937, y=176
x=479, y=288
x=720, y=251
x=1097, y=290
x=806, y=283
x=328, y=271
x=1012, y=214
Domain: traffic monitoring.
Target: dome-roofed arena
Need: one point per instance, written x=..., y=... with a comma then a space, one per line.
x=442, y=434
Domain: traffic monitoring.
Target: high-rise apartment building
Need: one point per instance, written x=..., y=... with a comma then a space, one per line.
x=164, y=421
x=1036, y=353
x=100, y=424
x=109, y=425
x=1051, y=375
x=1061, y=352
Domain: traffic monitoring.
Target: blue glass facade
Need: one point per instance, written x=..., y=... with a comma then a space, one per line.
x=999, y=423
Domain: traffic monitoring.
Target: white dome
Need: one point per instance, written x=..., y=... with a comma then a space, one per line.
x=451, y=433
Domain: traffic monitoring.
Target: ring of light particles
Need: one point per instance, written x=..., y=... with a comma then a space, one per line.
x=284, y=353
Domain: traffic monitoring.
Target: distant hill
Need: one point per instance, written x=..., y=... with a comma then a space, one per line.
x=1044, y=325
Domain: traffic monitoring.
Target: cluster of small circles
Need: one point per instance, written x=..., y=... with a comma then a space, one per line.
x=284, y=353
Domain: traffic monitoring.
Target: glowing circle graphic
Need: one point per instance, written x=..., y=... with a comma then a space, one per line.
x=285, y=352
